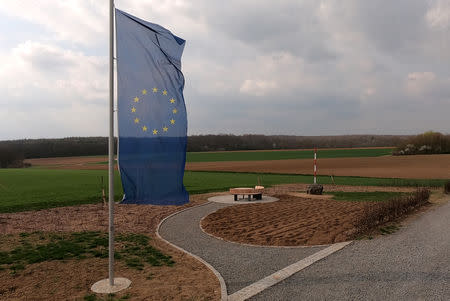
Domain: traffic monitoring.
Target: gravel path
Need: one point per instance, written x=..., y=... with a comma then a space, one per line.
x=411, y=264
x=239, y=265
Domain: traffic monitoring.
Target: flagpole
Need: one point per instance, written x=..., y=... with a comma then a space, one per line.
x=111, y=143
x=111, y=284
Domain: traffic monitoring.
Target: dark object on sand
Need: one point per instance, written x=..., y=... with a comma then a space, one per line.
x=314, y=189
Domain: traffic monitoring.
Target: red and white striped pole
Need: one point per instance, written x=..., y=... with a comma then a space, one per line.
x=315, y=165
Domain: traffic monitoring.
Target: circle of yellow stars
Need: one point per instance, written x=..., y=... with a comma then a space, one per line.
x=137, y=121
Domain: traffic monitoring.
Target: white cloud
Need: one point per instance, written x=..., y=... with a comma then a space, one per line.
x=33, y=65
x=419, y=83
x=50, y=91
x=438, y=15
x=258, y=87
x=78, y=21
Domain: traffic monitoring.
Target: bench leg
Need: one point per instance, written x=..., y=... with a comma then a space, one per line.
x=235, y=197
x=258, y=196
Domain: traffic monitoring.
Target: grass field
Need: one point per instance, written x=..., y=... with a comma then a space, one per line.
x=281, y=155
x=31, y=189
x=285, y=154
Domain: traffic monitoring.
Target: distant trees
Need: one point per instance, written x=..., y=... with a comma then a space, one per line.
x=427, y=143
x=10, y=157
x=13, y=152
x=254, y=142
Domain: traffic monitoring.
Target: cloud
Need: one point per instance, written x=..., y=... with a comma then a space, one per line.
x=258, y=87
x=78, y=21
x=306, y=67
x=50, y=91
x=45, y=67
x=438, y=14
x=420, y=83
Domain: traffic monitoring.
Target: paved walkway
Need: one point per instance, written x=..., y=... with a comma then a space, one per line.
x=239, y=265
x=411, y=264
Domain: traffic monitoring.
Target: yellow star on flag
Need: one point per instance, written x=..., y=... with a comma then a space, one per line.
x=133, y=109
x=155, y=131
x=172, y=100
x=165, y=129
x=174, y=111
x=164, y=92
x=136, y=99
x=136, y=120
x=155, y=90
x=172, y=121
x=144, y=128
x=144, y=92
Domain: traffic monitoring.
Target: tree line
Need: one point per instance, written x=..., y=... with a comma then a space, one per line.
x=13, y=152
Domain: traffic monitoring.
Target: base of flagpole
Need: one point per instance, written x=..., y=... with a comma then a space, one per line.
x=103, y=287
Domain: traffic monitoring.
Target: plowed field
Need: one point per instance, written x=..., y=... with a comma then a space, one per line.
x=417, y=167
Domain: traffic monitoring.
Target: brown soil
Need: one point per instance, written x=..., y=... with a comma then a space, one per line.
x=291, y=221
x=74, y=162
x=296, y=219
x=71, y=280
x=418, y=166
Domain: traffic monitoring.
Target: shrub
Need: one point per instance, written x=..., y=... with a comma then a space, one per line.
x=447, y=187
x=426, y=143
x=11, y=157
x=377, y=213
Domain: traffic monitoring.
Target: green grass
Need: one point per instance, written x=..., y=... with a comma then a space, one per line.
x=280, y=155
x=37, y=247
x=389, y=229
x=206, y=181
x=33, y=189
x=364, y=196
x=284, y=155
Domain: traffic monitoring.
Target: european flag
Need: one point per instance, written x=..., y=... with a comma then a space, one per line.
x=151, y=112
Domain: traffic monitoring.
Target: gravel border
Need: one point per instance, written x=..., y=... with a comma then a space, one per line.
x=223, y=286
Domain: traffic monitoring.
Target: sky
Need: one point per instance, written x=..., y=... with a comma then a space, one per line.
x=251, y=67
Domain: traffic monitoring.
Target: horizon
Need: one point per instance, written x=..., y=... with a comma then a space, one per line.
x=310, y=69
x=222, y=134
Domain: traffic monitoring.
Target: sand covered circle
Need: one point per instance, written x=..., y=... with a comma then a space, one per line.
x=291, y=221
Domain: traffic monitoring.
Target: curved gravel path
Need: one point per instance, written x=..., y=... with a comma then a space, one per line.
x=411, y=264
x=239, y=265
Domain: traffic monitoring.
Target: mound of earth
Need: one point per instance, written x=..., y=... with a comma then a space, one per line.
x=291, y=221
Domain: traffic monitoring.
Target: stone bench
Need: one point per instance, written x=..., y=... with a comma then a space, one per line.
x=256, y=192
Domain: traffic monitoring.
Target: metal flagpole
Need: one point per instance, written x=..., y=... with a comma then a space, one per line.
x=111, y=142
x=111, y=285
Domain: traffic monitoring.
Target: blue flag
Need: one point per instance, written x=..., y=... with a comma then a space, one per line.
x=151, y=112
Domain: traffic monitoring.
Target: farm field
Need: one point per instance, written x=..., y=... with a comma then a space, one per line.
x=35, y=188
x=417, y=166
x=100, y=162
x=378, y=164
x=286, y=154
